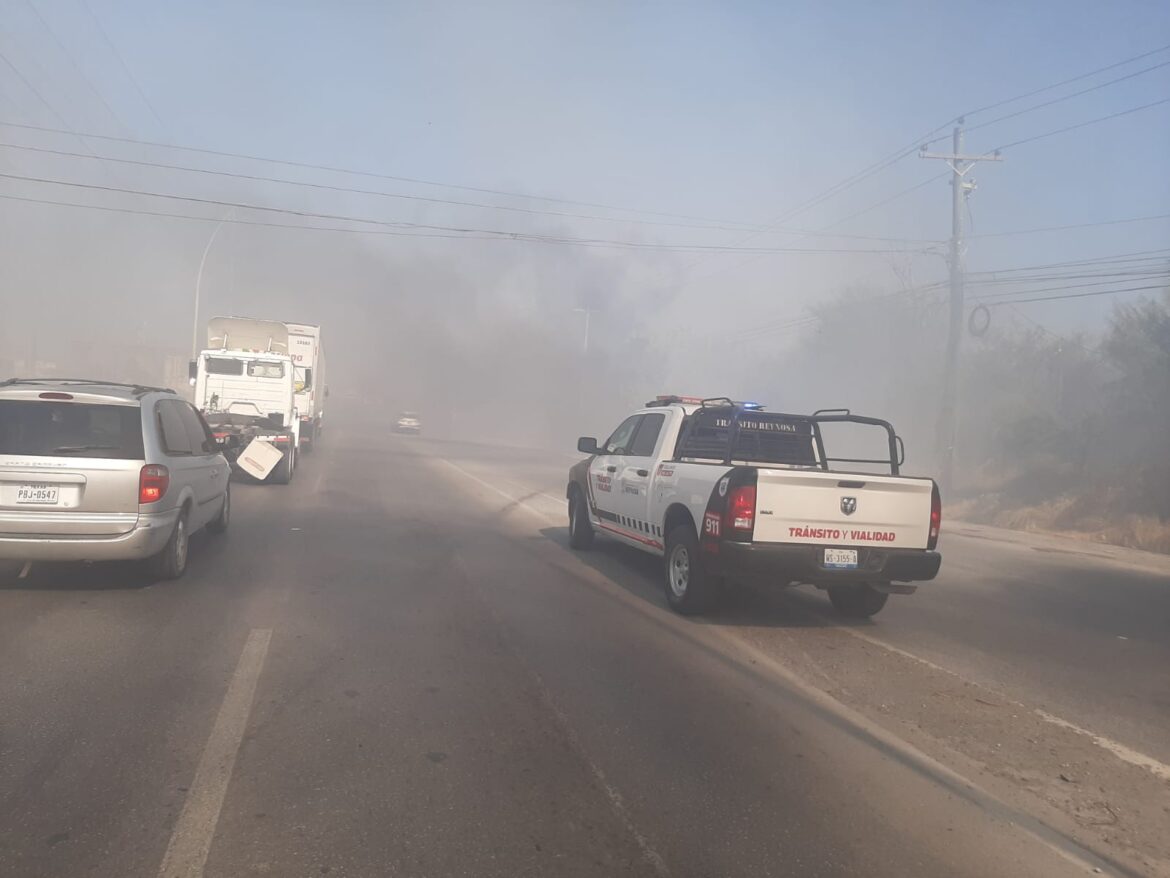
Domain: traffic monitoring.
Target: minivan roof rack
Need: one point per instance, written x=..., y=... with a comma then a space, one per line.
x=138, y=389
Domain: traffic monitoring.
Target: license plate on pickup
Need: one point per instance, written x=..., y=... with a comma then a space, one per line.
x=37, y=495
x=841, y=559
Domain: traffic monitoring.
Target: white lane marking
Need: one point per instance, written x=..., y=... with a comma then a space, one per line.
x=1069, y=849
x=1121, y=751
x=24, y=570
x=515, y=501
x=191, y=839
x=1133, y=757
x=616, y=801
x=914, y=658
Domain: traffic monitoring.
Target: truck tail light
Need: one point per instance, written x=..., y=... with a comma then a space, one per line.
x=741, y=510
x=935, y=517
x=153, y=481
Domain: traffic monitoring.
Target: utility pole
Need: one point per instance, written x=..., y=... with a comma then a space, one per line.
x=961, y=189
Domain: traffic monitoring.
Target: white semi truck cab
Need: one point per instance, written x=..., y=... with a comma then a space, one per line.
x=245, y=386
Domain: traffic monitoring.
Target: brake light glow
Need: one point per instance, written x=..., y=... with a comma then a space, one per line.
x=935, y=517
x=55, y=394
x=153, y=481
x=741, y=509
x=280, y=440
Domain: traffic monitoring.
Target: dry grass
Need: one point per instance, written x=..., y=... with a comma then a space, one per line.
x=1072, y=516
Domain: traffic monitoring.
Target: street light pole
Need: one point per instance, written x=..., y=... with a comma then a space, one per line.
x=199, y=284
x=586, y=312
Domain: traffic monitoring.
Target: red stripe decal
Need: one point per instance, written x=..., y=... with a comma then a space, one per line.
x=631, y=535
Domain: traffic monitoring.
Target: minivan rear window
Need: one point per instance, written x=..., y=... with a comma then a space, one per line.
x=45, y=428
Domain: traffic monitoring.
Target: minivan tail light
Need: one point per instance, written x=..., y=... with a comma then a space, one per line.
x=741, y=509
x=935, y=517
x=153, y=481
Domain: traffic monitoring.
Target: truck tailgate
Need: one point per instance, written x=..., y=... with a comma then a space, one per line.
x=842, y=509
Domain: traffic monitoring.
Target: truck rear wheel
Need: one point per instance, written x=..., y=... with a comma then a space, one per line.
x=283, y=473
x=580, y=528
x=857, y=601
x=690, y=589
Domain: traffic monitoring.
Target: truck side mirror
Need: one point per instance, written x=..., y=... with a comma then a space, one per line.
x=588, y=445
x=192, y=371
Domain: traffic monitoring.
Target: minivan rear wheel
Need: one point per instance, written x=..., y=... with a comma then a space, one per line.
x=171, y=562
x=219, y=524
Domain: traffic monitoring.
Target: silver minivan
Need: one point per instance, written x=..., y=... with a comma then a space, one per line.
x=95, y=471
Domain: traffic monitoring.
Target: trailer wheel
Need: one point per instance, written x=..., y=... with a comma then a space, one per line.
x=690, y=589
x=857, y=601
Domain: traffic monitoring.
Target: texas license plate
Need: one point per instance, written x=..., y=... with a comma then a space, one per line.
x=37, y=494
x=842, y=559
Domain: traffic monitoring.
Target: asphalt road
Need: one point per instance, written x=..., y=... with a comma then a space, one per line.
x=395, y=666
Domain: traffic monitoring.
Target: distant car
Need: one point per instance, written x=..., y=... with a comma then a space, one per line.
x=95, y=471
x=408, y=422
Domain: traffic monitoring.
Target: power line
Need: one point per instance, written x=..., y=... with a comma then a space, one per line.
x=1061, y=99
x=1068, y=81
x=118, y=55
x=259, y=178
x=1082, y=124
x=899, y=194
x=1101, y=283
x=456, y=232
x=789, y=321
x=898, y=155
x=1116, y=222
x=1131, y=256
x=1083, y=295
x=368, y=174
x=73, y=63
x=66, y=129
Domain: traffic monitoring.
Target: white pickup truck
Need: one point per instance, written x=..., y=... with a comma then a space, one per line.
x=726, y=490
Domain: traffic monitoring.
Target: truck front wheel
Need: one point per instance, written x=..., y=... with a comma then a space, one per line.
x=857, y=601
x=580, y=528
x=690, y=589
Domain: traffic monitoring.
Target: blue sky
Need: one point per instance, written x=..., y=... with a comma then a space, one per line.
x=732, y=111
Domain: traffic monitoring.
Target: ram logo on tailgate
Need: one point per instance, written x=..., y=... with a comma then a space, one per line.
x=848, y=505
